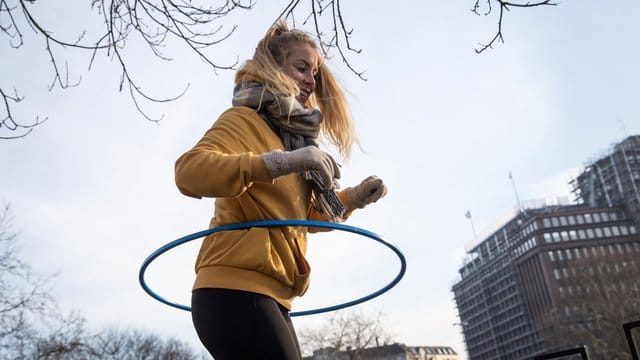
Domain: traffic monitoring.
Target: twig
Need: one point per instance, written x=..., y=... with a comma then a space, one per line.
x=503, y=5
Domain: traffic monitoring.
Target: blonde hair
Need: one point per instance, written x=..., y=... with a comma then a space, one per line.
x=328, y=97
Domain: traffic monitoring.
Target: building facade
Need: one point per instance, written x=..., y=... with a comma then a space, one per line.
x=514, y=277
x=613, y=179
x=388, y=352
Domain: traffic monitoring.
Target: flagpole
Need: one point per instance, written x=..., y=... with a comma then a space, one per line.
x=468, y=216
x=515, y=190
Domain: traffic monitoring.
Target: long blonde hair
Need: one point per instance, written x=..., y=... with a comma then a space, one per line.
x=328, y=97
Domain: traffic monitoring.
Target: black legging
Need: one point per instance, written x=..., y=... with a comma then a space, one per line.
x=236, y=324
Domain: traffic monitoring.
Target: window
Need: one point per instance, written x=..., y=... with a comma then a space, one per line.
x=605, y=216
x=546, y=222
x=596, y=217
x=577, y=253
x=581, y=234
x=547, y=237
x=615, y=231
x=551, y=257
x=580, y=219
x=607, y=231
x=624, y=230
x=556, y=274
x=554, y=221
x=559, y=253
x=598, y=232
x=573, y=235
x=588, y=219
x=590, y=233
x=632, y=229
x=568, y=253
x=564, y=235
x=614, y=216
x=563, y=220
x=556, y=236
x=572, y=220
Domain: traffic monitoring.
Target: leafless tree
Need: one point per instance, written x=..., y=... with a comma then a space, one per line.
x=343, y=331
x=196, y=24
x=486, y=7
x=33, y=327
x=59, y=337
x=594, y=304
x=16, y=302
x=134, y=344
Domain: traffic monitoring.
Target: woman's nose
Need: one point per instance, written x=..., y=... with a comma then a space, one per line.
x=310, y=80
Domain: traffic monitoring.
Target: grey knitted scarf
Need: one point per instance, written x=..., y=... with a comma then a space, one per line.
x=298, y=127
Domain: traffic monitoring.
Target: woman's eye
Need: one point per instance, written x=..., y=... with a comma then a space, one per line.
x=301, y=69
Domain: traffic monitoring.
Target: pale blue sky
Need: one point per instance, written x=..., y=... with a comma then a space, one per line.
x=93, y=194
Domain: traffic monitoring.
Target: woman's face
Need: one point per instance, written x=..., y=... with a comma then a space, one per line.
x=301, y=64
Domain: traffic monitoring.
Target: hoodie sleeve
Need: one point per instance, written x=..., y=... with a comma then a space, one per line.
x=227, y=160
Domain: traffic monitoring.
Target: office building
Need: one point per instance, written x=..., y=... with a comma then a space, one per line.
x=522, y=271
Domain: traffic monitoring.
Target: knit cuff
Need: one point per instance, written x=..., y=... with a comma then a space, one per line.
x=277, y=163
x=353, y=198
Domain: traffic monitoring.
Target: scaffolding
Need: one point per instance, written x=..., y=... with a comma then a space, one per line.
x=613, y=179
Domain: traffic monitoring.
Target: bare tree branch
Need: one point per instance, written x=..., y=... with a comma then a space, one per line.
x=503, y=5
x=194, y=23
x=339, y=35
x=352, y=330
x=598, y=295
x=9, y=122
x=32, y=326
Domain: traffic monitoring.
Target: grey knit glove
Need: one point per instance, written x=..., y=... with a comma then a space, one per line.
x=368, y=191
x=308, y=158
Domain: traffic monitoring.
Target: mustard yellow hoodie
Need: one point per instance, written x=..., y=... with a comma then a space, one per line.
x=227, y=164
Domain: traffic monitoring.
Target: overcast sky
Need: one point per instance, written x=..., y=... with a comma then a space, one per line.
x=92, y=189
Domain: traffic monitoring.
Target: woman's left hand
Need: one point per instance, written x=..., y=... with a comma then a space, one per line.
x=368, y=191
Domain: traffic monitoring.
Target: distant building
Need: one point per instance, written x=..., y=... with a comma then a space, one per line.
x=388, y=352
x=522, y=269
x=614, y=179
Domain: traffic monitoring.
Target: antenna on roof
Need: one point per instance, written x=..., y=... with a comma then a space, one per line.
x=515, y=190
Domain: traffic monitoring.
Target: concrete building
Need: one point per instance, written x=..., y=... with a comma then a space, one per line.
x=523, y=269
x=388, y=352
x=613, y=179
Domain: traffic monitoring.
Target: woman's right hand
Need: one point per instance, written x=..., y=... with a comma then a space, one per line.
x=308, y=158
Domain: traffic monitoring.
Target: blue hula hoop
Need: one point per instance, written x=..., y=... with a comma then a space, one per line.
x=277, y=223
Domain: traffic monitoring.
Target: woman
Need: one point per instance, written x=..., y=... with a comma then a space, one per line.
x=260, y=161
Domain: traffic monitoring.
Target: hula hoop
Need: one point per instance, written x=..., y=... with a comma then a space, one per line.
x=277, y=223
